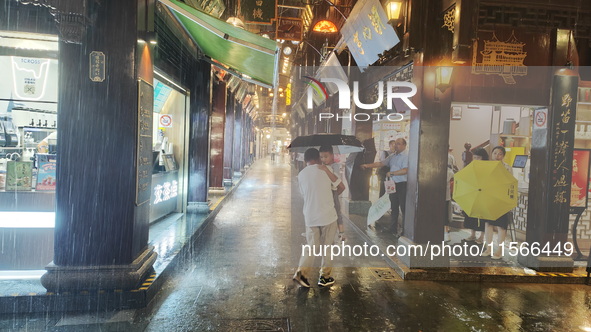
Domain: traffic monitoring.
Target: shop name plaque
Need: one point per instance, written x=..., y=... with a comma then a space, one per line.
x=144, y=143
x=97, y=66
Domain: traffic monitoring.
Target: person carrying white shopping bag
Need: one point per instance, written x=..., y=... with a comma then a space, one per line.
x=398, y=163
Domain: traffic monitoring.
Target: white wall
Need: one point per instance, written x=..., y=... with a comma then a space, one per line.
x=474, y=128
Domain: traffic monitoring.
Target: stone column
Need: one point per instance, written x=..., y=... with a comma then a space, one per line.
x=104, y=151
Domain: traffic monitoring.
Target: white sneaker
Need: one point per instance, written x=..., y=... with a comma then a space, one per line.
x=446, y=237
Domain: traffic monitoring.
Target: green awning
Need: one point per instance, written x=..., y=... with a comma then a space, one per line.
x=243, y=51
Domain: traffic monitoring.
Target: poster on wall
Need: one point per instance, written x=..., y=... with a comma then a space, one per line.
x=580, y=179
x=28, y=79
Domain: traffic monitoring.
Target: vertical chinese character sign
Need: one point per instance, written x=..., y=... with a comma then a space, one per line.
x=258, y=11
x=97, y=66
x=144, y=142
x=560, y=148
x=367, y=32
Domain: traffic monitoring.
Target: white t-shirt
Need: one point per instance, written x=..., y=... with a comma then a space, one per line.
x=316, y=188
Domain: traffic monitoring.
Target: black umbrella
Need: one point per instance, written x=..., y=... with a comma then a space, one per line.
x=341, y=143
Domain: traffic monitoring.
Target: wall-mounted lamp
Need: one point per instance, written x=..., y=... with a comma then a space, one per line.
x=443, y=78
x=149, y=37
x=393, y=9
x=325, y=26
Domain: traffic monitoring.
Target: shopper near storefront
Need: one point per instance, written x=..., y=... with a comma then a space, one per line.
x=498, y=153
x=398, y=163
x=381, y=172
x=315, y=182
x=467, y=154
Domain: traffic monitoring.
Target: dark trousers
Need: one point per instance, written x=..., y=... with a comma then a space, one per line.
x=398, y=201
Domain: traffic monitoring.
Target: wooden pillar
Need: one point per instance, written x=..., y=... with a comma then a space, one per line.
x=218, y=117
x=229, y=139
x=104, y=152
x=428, y=138
x=427, y=171
x=237, y=148
x=199, y=109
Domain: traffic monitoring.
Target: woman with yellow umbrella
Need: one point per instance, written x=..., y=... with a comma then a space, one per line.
x=498, y=153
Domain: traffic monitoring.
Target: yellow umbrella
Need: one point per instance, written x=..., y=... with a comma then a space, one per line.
x=485, y=189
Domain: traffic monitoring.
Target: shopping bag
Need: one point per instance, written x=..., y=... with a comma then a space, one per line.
x=390, y=186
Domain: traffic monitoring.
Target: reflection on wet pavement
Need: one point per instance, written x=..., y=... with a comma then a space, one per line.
x=241, y=271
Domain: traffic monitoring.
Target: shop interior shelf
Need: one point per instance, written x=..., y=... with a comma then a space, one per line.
x=38, y=128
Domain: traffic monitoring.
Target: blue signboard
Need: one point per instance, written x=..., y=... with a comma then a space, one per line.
x=367, y=32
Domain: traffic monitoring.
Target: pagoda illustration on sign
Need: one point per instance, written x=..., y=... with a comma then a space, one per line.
x=501, y=58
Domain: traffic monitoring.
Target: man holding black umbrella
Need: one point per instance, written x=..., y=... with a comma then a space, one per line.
x=315, y=183
x=398, y=163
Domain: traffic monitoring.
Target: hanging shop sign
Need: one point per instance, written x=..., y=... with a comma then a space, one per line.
x=290, y=28
x=367, y=32
x=259, y=11
x=212, y=7
x=246, y=101
x=97, y=66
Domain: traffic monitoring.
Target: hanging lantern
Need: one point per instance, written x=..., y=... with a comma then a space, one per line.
x=325, y=26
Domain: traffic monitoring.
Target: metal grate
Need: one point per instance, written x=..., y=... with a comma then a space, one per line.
x=255, y=324
x=385, y=274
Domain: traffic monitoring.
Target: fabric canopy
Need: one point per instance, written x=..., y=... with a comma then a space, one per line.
x=243, y=51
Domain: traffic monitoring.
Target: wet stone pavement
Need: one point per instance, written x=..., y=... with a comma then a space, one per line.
x=238, y=278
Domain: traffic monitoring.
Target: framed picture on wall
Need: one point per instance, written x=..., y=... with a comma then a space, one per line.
x=456, y=112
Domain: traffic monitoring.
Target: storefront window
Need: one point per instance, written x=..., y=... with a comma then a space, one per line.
x=28, y=140
x=168, y=176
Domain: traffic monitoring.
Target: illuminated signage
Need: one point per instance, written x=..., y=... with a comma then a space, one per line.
x=165, y=191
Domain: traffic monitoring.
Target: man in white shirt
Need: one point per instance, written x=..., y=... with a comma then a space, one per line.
x=398, y=163
x=315, y=183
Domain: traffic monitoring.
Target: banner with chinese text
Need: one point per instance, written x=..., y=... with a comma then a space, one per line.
x=259, y=11
x=367, y=32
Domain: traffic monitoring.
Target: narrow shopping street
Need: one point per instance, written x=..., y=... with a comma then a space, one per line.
x=238, y=278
